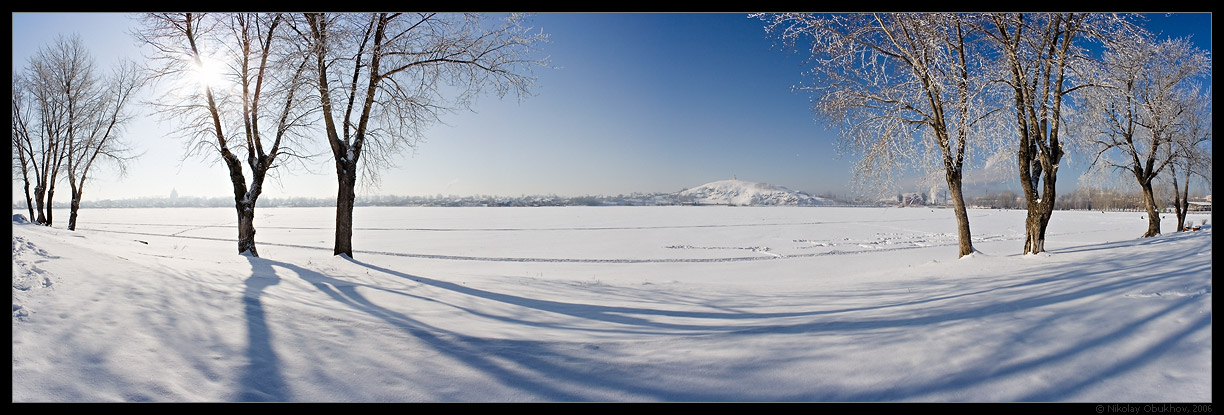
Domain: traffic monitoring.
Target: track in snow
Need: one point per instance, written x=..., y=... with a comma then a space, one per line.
x=767, y=255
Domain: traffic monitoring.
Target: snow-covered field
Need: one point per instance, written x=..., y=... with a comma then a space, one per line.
x=610, y=304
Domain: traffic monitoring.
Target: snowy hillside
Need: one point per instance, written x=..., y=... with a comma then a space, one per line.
x=742, y=193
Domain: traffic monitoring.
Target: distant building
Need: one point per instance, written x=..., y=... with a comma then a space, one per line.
x=173, y=194
x=912, y=199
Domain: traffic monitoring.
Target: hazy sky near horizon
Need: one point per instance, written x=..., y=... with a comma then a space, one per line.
x=635, y=102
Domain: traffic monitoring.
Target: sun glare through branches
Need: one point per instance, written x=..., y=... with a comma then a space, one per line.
x=206, y=73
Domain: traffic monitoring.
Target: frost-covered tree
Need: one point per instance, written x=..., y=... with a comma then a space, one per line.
x=1144, y=108
x=1041, y=59
x=1191, y=155
x=236, y=82
x=905, y=89
x=383, y=78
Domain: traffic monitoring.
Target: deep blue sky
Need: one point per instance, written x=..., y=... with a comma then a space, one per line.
x=636, y=103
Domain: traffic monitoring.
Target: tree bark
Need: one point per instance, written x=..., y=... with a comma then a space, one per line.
x=39, y=200
x=1178, y=209
x=244, y=201
x=346, y=197
x=1040, y=208
x=76, y=189
x=1040, y=202
x=1153, y=213
x=962, y=215
x=246, y=228
x=1035, y=224
x=50, y=207
x=76, y=204
x=1181, y=200
x=29, y=202
x=25, y=177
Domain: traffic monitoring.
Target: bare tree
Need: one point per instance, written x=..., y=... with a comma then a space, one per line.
x=253, y=105
x=1041, y=57
x=99, y=130
x=58, y=79
x=23, y=150
x=1191, y=154
x=907, y=90
x=383, y=78
x=1148, y=97
x=65, y=116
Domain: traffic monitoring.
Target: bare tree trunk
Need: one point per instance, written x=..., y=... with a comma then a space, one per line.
x=962, y=216
x=1178, y=209
x=346, y=197
x=29, y=202
x=1040, y=209
x=246, y=229
x=25, y=175
x=1040, y=202
x=1153, y=214
x=1183, y=208
x=1043, y=222
x=74, y=193
x=1181, y=199
x=50, y=206
x=1044, y=213
x=75, y=204
x=1035, y=224
x=244, y=201
x=39, y=199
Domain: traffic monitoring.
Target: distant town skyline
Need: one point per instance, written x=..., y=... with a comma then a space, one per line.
x=636, y=102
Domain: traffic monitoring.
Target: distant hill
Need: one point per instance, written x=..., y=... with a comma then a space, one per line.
x=743, y=193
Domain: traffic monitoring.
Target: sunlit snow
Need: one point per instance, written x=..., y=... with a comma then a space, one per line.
x=624, y=304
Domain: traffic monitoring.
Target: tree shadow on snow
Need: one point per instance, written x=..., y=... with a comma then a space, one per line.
x=1137, y=241
x=1069, y=285
x=1073, y=283
x=262, y=380
x=480, y=354
x=558, y=372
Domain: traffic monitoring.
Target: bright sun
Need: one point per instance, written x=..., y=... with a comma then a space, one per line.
x=207, y=73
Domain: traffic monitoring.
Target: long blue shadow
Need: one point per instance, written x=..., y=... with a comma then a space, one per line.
x=560, y=373
x=1084, y=279
x=262, y=381
x=479, y=354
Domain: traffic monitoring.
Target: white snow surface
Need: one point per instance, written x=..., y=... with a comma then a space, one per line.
x=743, y=193
x=609, y=304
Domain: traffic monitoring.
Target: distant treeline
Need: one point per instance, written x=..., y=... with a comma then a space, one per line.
x=635, y=199
x=1079, y=199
